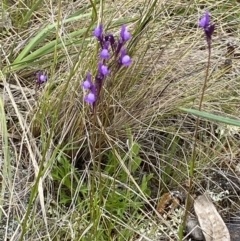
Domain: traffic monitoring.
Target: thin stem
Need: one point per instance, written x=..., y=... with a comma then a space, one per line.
x=93, y=189
x=194, y=153
x=192, y=163
x=206, y=77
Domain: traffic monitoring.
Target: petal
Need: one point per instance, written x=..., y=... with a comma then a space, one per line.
x=98, y=31
x=103, y=69
x=42, y=78
x=207, y=17
x=39, y=73
x=125, y=35
x=126, y=60
x=90, y=98
x=205, y=20
x=104, y=54
x=86, y=84
x=106, y=45
x=122, y=30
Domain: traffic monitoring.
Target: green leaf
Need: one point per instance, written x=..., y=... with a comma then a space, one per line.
x=42, y=36
x=135, y=149
x=135, y=164
x=212, y=117
x=30, y=11
x=49, y=47
x=144, y=184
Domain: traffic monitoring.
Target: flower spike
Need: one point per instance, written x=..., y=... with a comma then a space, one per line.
x=110, y=49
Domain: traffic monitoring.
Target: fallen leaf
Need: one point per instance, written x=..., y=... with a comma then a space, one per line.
x=212, y=225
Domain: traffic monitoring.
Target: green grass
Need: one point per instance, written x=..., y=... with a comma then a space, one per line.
x=70, y=174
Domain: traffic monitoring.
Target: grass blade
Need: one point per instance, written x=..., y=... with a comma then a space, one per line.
x=42, y=35
x=212, y=117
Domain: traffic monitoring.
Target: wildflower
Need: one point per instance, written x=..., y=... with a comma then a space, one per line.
x=98, y=31
x=103, y=69
x=105, y=53
x=41, y=78
x=124, y=58
x=207, y=26
x=124, y=34
x=90, y=98
x=87, y=84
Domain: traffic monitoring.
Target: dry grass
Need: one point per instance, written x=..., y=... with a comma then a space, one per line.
x=53, y=126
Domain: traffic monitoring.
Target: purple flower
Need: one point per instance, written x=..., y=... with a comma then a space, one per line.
x=90, y=98
x=98, y=31
x=41, y=77
x=124, y=34
x=87, y=84
x=124, y=58
x=207, y=26
x=104, y=53
x=103, y=69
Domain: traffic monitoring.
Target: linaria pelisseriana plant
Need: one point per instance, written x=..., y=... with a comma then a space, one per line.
x=208, y=28
x=112, y=56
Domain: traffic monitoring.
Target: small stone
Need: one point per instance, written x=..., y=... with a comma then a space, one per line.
x=193, y=228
